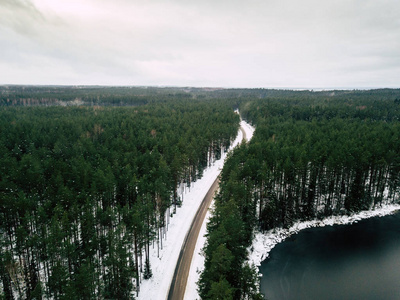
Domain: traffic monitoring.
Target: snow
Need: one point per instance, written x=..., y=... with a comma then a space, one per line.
x=263, y=243
x=163, y=266
x=248, y=129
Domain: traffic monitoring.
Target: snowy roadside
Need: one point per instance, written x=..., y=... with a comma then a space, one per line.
x=197, y=265
x=163, y=266
x=263, y=243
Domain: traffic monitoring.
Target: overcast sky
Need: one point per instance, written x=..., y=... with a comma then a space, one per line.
x=217, y=43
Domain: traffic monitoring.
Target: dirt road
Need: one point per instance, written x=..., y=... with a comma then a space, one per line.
x=179, y=280
x=244, y=134
x=178, y=284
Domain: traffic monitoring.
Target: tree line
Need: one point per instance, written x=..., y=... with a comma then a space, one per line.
x=86, y=191
x=309, y=158
x=16, y=95
x=25, y=95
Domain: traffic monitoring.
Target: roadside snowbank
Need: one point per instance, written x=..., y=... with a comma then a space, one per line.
x=163, y=265
x=263, y=243
x=197, y=265
x=248, y=129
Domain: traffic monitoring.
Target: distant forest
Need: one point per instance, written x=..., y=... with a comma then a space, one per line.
x=90, y=175
x=16, y=95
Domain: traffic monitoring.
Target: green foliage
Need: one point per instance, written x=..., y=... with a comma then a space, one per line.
x=85, y=190
x=147, y=270
x=225, y=274
x=319, y=157
x=221, y=290
x=313, y=154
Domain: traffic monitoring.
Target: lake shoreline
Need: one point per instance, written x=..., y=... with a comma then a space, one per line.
x=264, y=242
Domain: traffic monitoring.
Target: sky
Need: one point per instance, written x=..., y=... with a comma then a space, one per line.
x=202, y=43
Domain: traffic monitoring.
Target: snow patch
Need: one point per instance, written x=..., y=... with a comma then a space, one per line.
x=248, y=129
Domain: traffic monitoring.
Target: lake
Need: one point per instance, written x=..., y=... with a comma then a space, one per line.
x=357, y=261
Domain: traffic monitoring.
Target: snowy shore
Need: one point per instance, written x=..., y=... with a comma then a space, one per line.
x=163, y=265
x=263, y=243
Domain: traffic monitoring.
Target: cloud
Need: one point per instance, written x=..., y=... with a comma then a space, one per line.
x=217, y=43
x=20, y=16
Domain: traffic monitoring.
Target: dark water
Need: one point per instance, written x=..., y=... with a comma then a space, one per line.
x=358, y=261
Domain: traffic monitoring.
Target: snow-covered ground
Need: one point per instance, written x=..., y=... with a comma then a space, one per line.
x=264, y=242
x=248, y=129
x=163, y=267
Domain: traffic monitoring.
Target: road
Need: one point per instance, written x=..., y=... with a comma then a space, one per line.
x=244, y=134
x=179, y=280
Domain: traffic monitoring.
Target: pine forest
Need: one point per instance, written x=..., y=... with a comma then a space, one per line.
x=313, y=155
x=90, y=178
x=85, y=191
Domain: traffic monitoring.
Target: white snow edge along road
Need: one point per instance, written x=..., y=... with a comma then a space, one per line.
x=163, y=267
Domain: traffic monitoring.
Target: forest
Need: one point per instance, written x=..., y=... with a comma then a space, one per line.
x=90, y=177
x=85, y=191
x=312, y=155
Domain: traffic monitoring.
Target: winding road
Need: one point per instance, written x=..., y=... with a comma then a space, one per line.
x=179, y=280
